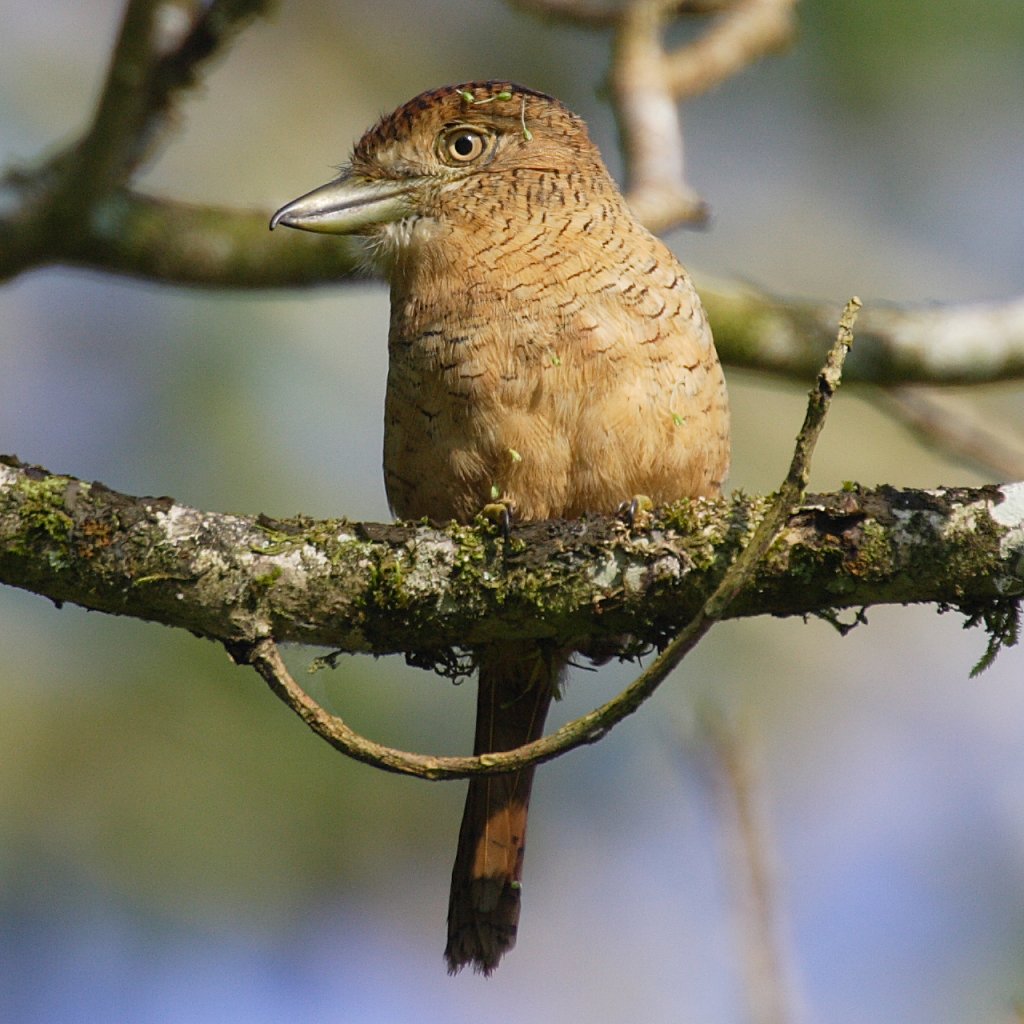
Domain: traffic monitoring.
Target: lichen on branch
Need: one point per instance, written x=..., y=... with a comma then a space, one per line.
x=386, y=588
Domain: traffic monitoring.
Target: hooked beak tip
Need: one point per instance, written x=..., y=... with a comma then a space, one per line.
x=281, y=217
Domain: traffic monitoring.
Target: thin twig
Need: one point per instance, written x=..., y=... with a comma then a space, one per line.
x=650, y=122
x=71, y=206
x=752, y=881
x=648, y=83
x=266, y=659
x=748, y=31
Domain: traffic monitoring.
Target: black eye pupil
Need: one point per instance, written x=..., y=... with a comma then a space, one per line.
x=464, y=145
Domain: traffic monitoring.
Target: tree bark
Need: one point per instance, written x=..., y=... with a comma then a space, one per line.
x=426, y=590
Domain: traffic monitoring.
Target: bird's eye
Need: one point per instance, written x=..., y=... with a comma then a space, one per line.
x=462, y=145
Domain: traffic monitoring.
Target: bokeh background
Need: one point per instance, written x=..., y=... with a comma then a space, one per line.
x=176, y=847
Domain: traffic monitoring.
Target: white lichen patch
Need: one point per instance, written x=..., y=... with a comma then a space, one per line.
x=182, y=525
x=179, y=523
x=633, y=578
x=629, y=573
x=605, y=574
x=960, y=517
x=1010, y=513
x=907, y=522
x=435, y=555
x=298, y=561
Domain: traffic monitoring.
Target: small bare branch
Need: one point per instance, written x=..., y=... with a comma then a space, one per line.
x=650, y=125
x=609, y=14
x=749, y=863
x=750, y=30
x=648, y=85
x=576, y=12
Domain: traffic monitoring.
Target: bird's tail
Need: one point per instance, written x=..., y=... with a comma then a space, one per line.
x=517, y=683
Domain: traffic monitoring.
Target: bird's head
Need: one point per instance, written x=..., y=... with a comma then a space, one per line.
x=438, y=160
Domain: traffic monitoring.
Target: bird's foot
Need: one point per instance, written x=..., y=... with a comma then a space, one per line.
x=636, y=512
x=500, y=514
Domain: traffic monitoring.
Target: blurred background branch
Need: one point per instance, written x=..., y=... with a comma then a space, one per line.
x=940, y=422
x=70, y=207
x=749, y=862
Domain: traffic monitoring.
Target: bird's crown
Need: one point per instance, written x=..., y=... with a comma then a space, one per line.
x=429, y=126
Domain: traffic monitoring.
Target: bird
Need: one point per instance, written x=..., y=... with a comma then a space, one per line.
x=548, y=356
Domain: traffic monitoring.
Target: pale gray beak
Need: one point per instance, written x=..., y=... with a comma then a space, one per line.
x=347, y=206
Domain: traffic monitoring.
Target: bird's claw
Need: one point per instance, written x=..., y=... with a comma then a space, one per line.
x=500, y=514
x=636, y=511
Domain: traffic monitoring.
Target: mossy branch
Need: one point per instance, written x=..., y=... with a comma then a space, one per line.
x=384, y=588
x=387, y=588
x=425, y=590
